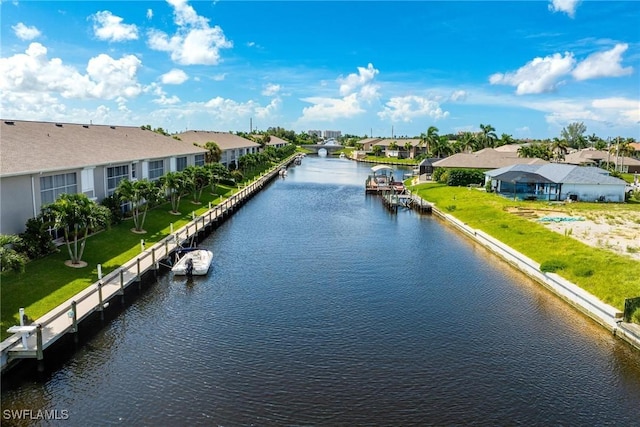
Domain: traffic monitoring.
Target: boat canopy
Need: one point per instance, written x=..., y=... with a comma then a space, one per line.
x=378, y=168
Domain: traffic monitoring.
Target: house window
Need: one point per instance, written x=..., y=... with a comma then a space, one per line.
x=181, y=163
x=116, y=174
x=156, y=169
x=134, y=170
x=199, y=160
x=52, y=186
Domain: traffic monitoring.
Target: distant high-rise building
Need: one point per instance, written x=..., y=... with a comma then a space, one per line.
x=317, y=133
x=332, y=134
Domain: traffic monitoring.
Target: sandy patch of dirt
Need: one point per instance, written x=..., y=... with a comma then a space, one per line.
x=617, y=232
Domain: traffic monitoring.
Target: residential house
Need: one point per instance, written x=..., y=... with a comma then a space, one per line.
x=556, y=181
x=487, y=158
x=232, y=146
x=41, y=160
x=600, y=158
x=400, y=151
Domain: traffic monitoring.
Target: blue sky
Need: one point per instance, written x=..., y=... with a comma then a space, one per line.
x=528, y=68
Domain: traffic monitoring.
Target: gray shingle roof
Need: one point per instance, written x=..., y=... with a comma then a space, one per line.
x=32, y=147
x=558, y=173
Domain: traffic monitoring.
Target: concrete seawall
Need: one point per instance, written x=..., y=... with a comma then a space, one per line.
x=604, y=314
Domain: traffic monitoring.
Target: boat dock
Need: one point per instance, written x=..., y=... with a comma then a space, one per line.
x=406, y=200
x=31, y=341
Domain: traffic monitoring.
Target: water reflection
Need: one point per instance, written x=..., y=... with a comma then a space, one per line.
x=323, y=308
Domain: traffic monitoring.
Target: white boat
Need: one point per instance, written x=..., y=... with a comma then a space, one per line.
x=342, y=155
x=283, y=172
x=193, y=262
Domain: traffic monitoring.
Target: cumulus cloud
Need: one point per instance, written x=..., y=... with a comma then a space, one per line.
x=566, y=6
x=603, y=64
x=537, y=76
x=25, y=33
x=109, y=27
x=329, y=109
x=355, y=89
x=195, y=42
x=174, y=77
x=270, y=89
x=33, y=72
x=407, y=108
x=360, y=82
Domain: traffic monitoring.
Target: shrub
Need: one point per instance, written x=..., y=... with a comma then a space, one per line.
x=36, y=241
x=450, y=208
x=635, y=316
x=464, y=177
x=552, y=266
x=440, y=175
x=115, y=207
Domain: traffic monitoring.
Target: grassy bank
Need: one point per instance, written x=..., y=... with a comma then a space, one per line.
x=608, y=276
x=47, y=282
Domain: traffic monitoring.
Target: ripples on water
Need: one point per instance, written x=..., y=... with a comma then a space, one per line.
x=322, y=308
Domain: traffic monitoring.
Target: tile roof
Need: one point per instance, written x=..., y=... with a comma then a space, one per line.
x=33, y=147
x=225, y=140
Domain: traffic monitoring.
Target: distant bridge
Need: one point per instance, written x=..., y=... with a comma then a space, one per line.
x=329, y=147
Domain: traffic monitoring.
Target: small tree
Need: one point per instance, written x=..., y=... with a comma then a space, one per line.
x=214, y=153
x=140, y=194
x=36, y=240
x=377, y=150
x=175, y=184
x=76, y=215
x=218, y=171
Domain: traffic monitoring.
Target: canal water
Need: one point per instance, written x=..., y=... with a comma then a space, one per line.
x=323, y=308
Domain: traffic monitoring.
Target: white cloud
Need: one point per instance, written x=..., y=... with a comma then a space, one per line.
x=603, y=64
x=174, y=77
x=219, y=77
x=34, y=72
x=195, y=41
x=407, y=108
x=566, y=6
x=165, y=100
x=25, y=33
x=360, y=82
x=458, y=95
x=149, y=14
x=329, y=109
x=109, y=27
x=271, y=89
x=624, y=111
x=268, y=111
x=537, y=76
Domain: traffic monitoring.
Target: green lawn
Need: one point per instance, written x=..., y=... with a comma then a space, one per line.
x=608, y=276
x=47, y=282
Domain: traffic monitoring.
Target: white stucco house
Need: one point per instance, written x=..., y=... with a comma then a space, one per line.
x=555, y=181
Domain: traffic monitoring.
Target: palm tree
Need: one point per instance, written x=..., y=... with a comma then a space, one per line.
x=505, y=139
x=559, y=147
x=197, y=178
x=467, y=141
x=76, y=214
x=10, y=259
x=214, y=152
x=377, y=150
x=217, y=172
x=176, y=184
x=489, y=136
x=408, y=146
x=140, y=194
x=431, y=138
